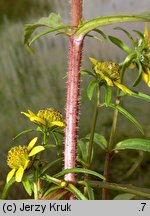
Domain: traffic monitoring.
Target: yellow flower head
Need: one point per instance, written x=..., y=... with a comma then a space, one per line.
x=109, y=72
x=18, y=159
x=46, y=117
x=144, y=49
x=145, y=58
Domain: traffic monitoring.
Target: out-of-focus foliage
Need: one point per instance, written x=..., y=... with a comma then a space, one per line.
x=20, y=10
x=38, y=81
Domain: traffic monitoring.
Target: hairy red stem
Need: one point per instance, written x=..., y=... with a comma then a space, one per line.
x=73, y=86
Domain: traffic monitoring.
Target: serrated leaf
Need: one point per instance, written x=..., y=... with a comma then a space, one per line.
x=53, y=22
x=27, y=185
x=135, y=143
x=90, y=88
x=99, y=140
x=108, y=95
x=107, y=20
x=120, y=44
x=128, y=116
x=124, y=196
x=79, y=170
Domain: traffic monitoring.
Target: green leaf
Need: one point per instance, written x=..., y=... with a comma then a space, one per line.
x=127, y=33
x=76, y=192
x=128, y=59
x=7, y=187
x=55, y=193
x=27, y=185
x=90, y=192
x=49, y=165
x=120, y=44
x=128, y=116
x=94, y=36
x=141, y=96
x=101, y=33
x=47, y=146
x=107, y=20
x=99, y=140
x=139, y=33
x=124, y=196
x=138, y=79
x=79, y=170
x=23, y=132
x=53, y=22
x=58, y=140
x=90, y=88
x=51, y=179
x=82, y=150
x=51, y=189
x=46, y=32
x=84, y=71
x=135, y=143
x=108, y=95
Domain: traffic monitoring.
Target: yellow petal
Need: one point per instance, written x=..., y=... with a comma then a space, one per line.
x=109, y=82
x=19, y=174
x=26, y=114
x=31, y=113
x=146, y=78
x=57, y=123
x=103, y=76
x=10, y=175
x=123, y=88
x=132, y=65
x=36, y=150
x=38, y=120
x=32, y=143
x=26, y=164
x=146, y=33
x=93, y=60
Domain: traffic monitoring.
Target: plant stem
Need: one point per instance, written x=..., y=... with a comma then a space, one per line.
x=118, y=187
x=6, y=188
x=90, y=146
x=36, y=197
x=73, y=85
x=106, y=174
x=111, y=144
x=109, y=152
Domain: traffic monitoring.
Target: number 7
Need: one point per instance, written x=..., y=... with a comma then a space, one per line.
x=144, y=204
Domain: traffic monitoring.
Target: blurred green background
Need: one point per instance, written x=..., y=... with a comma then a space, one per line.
x=37, y=81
